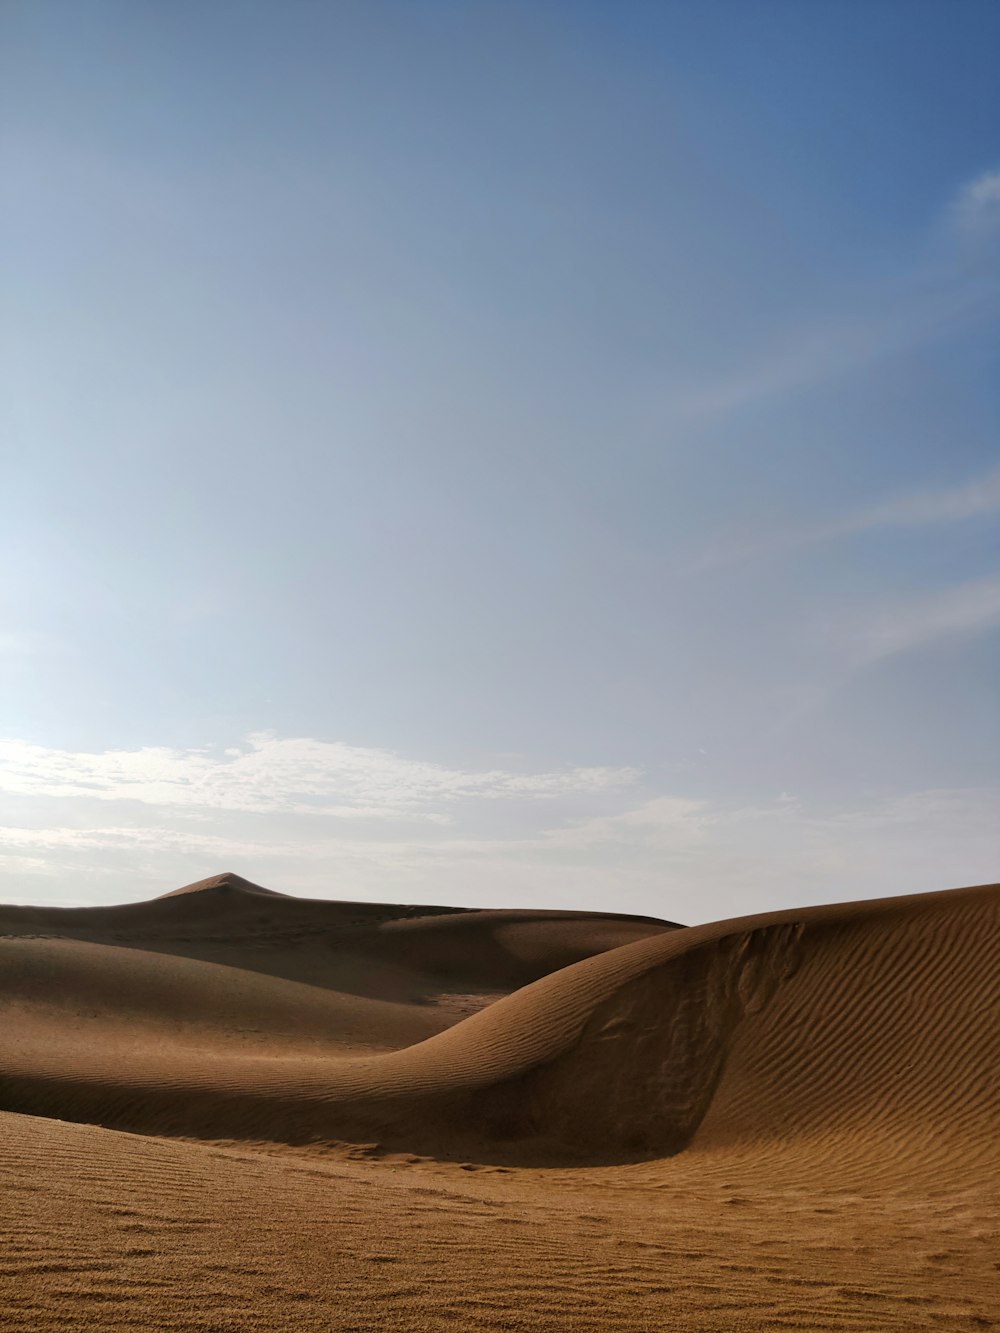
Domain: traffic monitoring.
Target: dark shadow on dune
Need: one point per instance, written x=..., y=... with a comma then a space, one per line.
x=635, y=1086
x=639, y=1081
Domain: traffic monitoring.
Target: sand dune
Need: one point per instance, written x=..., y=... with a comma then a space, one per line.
x=790, y=1055
x=767, y=1028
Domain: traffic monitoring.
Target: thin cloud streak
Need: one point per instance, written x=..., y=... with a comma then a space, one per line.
x=828, y=351
x=683, y=858
x=274, y=774
x=861, y=639
x=935, y=300
x=976, y=498
x=977, y=206
x=958, y=612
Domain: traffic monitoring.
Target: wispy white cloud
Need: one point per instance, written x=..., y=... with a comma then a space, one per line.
x=927, y=309
x=269, y=773
x=673, y=822
x=958, y=612
x=847, y=643
x=684, y=858
x=980, y=495
x=936, y=298
x=976, y=498
x=977, y=205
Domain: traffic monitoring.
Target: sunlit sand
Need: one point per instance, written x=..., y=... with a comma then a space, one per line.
x=232, y=1109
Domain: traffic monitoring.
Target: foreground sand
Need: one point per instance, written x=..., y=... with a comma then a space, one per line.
x=107, y=1230
x=353, y=1118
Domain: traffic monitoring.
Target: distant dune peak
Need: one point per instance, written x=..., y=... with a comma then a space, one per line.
x=225, y=883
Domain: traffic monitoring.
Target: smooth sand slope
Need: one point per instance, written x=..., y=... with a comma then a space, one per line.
x=788, y=1120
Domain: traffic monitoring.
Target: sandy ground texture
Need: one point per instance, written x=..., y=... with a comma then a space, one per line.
x=228, y=1109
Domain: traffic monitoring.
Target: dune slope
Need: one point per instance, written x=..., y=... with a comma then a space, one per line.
x=378, y=949
x=836, y=1037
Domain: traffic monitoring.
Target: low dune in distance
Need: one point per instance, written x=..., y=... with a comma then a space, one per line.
x=230, y=1108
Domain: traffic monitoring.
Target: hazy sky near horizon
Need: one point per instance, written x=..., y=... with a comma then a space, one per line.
x=508, y=454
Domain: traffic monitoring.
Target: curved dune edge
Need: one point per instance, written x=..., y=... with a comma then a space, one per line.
x=872, y=1022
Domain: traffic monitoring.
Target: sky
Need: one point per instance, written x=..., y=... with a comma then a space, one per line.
x=500, y=454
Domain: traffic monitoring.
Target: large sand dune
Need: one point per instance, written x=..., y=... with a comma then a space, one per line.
x=564, y=1056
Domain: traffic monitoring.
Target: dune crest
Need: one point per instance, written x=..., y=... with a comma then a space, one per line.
x=224, y=883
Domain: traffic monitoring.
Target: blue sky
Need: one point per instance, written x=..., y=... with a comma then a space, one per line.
x=480, y=453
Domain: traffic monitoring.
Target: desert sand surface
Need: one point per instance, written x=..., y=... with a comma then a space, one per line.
x=229, y=1109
